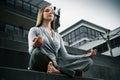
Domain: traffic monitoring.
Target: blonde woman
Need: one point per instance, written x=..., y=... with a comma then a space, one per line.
x=47, y=50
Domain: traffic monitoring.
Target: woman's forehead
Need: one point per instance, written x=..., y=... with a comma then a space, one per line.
x=48, y=7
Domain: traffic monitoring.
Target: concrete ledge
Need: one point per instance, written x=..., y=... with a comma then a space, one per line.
x=14, y=59
x=103, y=72
x=13, y=45
x=21, y=74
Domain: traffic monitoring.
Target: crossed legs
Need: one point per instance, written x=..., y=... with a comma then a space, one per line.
x=52, y=69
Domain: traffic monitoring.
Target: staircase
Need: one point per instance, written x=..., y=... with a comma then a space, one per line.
x=14, y=60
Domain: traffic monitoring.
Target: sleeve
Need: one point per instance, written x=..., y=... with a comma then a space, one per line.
x=65, y=54
x=31, y=35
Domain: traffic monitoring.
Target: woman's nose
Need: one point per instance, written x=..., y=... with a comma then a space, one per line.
x=51, y=12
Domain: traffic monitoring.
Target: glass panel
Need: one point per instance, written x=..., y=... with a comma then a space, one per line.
x=34, y=10
x=10, y=2
x=83, y=29
x=19, y=4
x=72, y=34
x=21, y=31
x=16, y=32
x=26, y=7
x=78, y=37
x=77, y=32
x=80, y=29
x=9, y=28
x=73, y=39
x=93, y=32
x=69, y=36
x=25, y=33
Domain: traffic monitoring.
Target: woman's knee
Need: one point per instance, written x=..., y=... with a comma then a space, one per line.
x=90, y=61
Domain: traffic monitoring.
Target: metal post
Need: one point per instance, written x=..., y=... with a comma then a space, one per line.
x=108, y=42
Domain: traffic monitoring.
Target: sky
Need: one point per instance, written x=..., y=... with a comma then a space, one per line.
x=105, y=13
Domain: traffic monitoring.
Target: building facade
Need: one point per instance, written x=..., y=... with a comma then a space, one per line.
x=17, y=17
x=86, y=35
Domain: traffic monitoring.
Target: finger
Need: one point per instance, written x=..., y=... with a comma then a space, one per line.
x=35, y=39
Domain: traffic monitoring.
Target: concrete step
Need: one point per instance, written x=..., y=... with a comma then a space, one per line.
x=14, y=59
x=103, y=72
x=14, y=45
x=104, y=67
x=108, y=61
x=22, y=74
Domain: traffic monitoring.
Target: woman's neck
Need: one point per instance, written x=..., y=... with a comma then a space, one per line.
x=47, y=24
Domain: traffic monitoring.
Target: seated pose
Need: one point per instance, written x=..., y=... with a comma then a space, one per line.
x=47, y=50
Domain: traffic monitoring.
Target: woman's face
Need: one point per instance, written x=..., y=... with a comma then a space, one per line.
x=48, y=14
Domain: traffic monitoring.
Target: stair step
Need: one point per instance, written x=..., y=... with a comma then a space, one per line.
x=103, y=72
x=22, y=74
x=14, y=59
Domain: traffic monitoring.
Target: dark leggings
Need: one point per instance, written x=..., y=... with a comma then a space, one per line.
x=38, y=61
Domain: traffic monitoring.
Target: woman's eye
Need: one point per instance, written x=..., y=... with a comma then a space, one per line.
x=48, y=11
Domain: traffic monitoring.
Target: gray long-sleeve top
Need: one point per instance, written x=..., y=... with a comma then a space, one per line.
x=52, y=47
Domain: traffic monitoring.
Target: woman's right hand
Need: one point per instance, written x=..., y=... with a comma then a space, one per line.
x=38, y=41
x=91, y=54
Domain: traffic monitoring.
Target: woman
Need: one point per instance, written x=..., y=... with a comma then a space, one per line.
x=48, y=53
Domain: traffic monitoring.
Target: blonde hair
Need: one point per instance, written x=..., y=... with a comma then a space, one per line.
x=40, y=18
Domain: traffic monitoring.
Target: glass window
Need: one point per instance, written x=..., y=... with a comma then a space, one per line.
x=19, y=4
x=65, y=38
x=26, y=7
x=25, y=33
x=115, y=42
x=83, y=29
x=69, y=35
x=102, y=48
x=10, y=2
x=93, y=33
x=96, y=34
x=83, y=35
x=16, y=32
x=9, y=28
x=77, y=32
x=89, y=31
x=105, y=48
x=72, y=34
x=21, y=31
x=70, y=41
x=73, y=39
x=78, y=37
x=80, y=30
x=34, y=10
